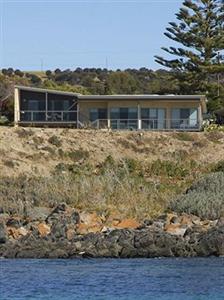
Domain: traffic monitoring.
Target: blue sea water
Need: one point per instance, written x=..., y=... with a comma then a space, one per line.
x=164, y=279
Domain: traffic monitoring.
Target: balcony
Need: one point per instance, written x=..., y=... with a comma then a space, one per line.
x=43, y=116
x=147, y=124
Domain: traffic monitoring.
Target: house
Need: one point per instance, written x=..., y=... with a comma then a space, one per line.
x=37, y=107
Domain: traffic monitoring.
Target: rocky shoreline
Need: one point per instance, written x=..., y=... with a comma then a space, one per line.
x=67, y=233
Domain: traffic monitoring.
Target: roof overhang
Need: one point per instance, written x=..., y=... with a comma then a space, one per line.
x=40, y=90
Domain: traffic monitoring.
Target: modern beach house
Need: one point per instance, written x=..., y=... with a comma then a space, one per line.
x=38, y=107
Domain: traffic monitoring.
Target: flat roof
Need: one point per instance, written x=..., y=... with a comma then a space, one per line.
x=141, y=97
x=114, y=97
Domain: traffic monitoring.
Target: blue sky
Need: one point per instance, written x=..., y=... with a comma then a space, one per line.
x=70, y=34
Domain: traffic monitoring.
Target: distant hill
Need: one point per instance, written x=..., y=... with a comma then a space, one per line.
x=103, y=81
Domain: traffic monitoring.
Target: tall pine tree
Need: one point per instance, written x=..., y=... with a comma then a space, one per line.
x=199, y=45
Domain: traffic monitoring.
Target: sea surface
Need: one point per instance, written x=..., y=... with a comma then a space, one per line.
x=165, y=278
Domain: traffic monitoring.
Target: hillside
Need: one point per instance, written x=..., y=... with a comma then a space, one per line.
x=124, y=173
x=37, y=151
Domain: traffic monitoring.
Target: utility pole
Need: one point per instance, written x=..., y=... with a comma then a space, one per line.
x=218, y=76
x=41, y=64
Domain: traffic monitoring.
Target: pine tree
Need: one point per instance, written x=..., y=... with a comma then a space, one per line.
x=200, y=32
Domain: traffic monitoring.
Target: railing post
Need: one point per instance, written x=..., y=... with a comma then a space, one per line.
x=139, y=117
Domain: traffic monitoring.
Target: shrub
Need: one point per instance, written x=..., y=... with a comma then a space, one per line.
x=184, y=136
x=204, y=198
x=77, y=155
x=4, y=120
x=219, y=167
x=54, y=140
x=24, y=133
x=214, y=136
x=38, y=140
x=167, y=168
x=214, y=128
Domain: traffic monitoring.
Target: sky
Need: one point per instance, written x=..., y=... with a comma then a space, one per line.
x=117, y=34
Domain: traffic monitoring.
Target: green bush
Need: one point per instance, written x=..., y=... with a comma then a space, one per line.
x=205, y=198
x=219, y=167
x=167, y=168
x=4, y=120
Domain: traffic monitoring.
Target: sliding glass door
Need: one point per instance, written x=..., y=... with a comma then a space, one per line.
x=153, y=118
x=184, y=118
x=124, y=118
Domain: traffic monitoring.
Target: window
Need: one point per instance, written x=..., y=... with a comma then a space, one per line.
x=124, y=117
x=184, y=118
x=153, y=118
x=98, y=114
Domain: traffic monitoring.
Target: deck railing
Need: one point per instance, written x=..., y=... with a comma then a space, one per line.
x=147, y=124
x=62, y=116
x=56, y=116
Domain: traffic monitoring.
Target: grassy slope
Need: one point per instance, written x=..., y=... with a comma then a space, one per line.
x=126, y=173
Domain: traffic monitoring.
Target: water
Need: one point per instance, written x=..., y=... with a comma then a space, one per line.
x=176, y=279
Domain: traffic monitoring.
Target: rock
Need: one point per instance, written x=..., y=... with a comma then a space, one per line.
x=14, y=222
x=60, y=208
x=38, y=213
x=85, y=228
x=172, y=218
x=186, y=220
x=211, y=242
x=3, y=233
x=220, y=222
x=176, y=229
x=90, y=218
x=56, y=213
x=70, y=234
x=148, y=222
x=43, y=229
x=128, y=223
x=58, y=230
x=75, y=217
x=22, y=231
x=13, y=233
x=63, y=214
x=159, y=224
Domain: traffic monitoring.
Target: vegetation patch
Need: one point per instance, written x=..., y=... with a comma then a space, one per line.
x=167, y=168
x=24, y=133
x=184, y=136
x=204, y=198
x=54, y=140
x=218, y=167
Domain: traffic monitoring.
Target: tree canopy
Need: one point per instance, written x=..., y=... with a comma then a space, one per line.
x=197, y=53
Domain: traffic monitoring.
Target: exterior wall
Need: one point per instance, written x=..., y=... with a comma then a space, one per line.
x=84, y=109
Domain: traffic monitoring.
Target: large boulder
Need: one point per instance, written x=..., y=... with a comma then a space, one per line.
x=3, y=232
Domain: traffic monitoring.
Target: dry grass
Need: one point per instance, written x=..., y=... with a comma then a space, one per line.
x=131, y=173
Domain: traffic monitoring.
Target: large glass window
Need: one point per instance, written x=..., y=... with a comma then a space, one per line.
x=32, y=106
x=153, y=118
x=98, y=114
x=124, y=117
x=61, y=108
x=184, y=118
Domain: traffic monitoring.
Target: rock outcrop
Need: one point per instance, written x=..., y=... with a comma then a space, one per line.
x=67, y=233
